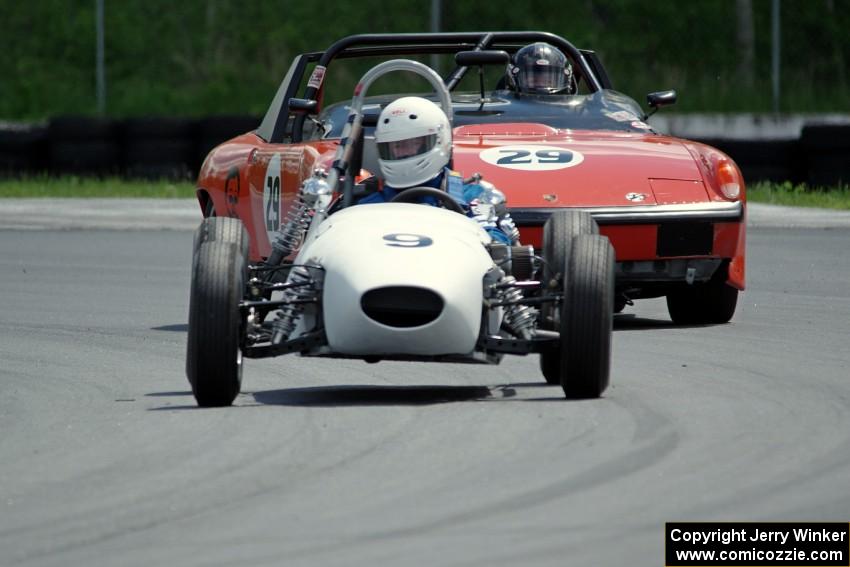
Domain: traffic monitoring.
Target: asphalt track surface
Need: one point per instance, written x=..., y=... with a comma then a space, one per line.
x=107, y=461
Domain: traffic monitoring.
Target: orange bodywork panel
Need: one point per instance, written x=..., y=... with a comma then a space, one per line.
x=258, y=183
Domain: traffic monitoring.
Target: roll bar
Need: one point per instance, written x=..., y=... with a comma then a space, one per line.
x=410, y=43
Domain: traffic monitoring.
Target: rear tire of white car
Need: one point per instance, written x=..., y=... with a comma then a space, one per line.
x=219, y=267
x=709, y=303
x=558, y=234
x=587, y=318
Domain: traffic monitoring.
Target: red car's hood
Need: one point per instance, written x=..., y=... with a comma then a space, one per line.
x=538, y=166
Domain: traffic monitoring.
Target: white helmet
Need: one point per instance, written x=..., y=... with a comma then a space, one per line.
x=414, y=141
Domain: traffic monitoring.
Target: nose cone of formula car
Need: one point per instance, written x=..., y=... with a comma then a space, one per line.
x=401, y=279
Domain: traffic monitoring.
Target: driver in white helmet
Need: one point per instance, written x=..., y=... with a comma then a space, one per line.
x=414, y=140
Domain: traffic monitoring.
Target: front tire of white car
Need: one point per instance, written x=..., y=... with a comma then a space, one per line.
x=558, y=234
x=219, y=267
x=587, y=318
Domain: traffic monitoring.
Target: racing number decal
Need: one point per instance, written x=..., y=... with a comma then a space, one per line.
x=271, y=196
x=402, y=240
x=542, y=156
x=513, y=157
x=531, y=158
x=273, y=206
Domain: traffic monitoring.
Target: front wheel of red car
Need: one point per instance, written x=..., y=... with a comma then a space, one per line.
x=709, y=303
x=219, y=266
x=587, y=318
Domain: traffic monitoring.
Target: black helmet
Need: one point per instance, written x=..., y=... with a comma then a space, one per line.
x=541, y=68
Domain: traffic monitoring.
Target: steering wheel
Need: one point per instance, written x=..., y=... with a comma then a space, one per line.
x=410, y=195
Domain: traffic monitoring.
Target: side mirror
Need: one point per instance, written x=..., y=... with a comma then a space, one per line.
x=303, y=105
x=661, y=98
x=489, y=57
x=658, y=99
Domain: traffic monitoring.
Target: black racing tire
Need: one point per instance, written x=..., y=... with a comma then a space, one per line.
x=209, y=212
x=558, y=233
x=709, y=303
x=219, y=268
x=587, y=318
x=550, y=366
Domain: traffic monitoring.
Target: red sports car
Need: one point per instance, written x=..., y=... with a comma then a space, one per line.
x=673, y=209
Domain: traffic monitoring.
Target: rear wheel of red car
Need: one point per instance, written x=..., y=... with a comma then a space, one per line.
x=587, y=318
x=707, y=303
x=558, y=233
x=219, y=266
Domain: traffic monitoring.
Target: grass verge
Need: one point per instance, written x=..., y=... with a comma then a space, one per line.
x=801, y=195
x=89, y=187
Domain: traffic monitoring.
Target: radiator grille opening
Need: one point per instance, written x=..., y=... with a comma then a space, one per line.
x=402, y=306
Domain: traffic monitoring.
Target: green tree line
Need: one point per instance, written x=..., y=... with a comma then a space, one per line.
x=225, y=56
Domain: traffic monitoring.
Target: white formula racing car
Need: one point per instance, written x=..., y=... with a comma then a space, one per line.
x=398, y=281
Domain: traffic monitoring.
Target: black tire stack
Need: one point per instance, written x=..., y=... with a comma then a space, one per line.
x=22, y=149
x=214, y=130
x=765, y=160
x=146, y=147
x=158, y=147
x=82, y=145
x=827, y=150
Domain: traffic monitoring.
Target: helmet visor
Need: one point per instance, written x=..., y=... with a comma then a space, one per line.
x=535, y=76
x=403, y=149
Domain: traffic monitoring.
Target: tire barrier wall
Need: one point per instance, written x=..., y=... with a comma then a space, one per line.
x=23, y=149
x=174, y=148
x=827, y=151
x=820, y=157
x=150, y=147
x=764, y=160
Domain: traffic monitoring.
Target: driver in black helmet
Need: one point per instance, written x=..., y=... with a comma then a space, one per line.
x=541, y=68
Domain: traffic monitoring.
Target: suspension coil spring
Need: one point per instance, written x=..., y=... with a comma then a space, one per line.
x=296, y=222
x=314, y=192
x=288, y=314
x=519, y=318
